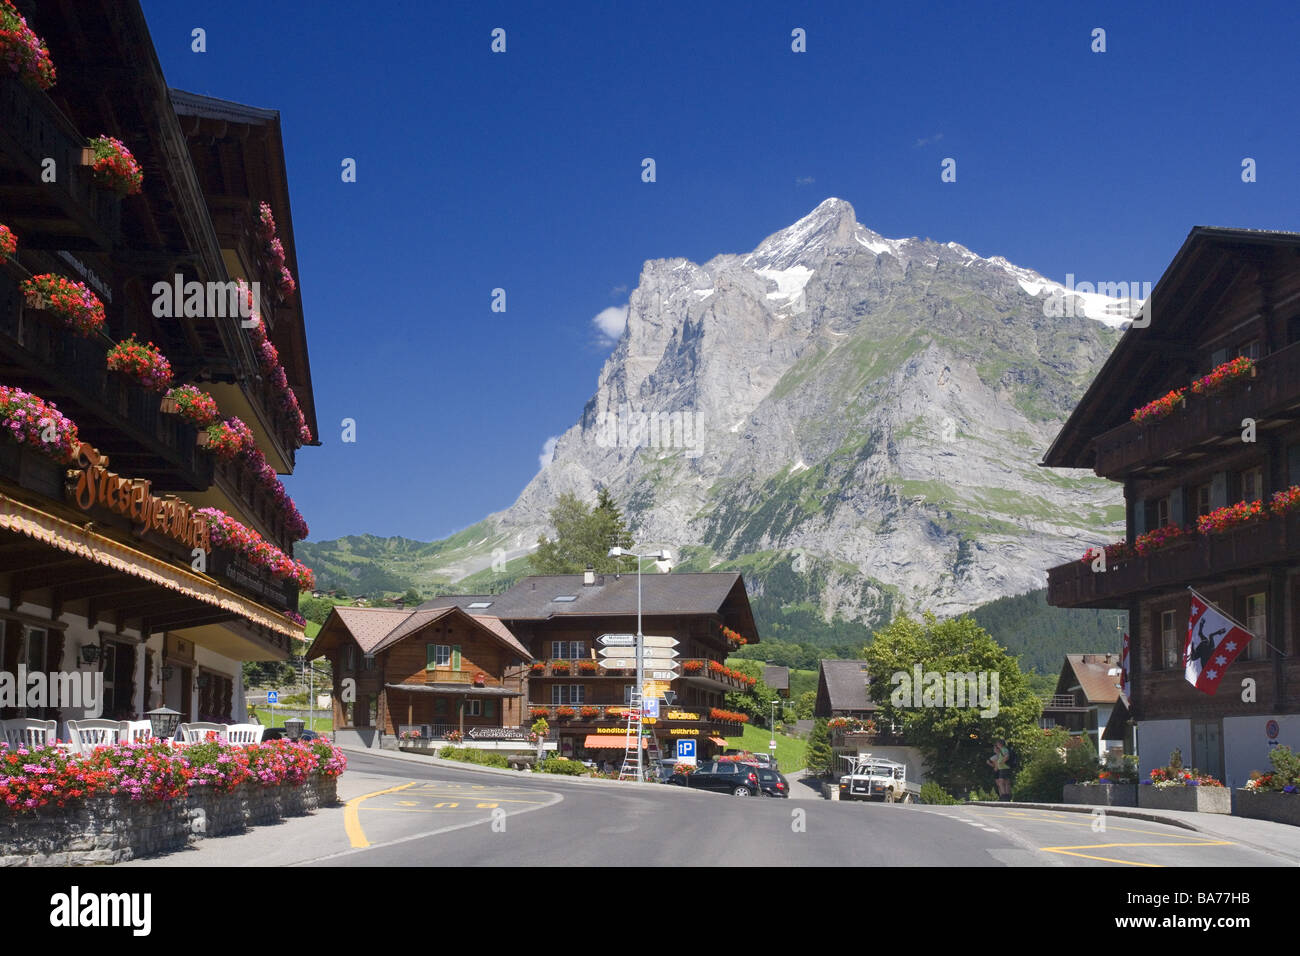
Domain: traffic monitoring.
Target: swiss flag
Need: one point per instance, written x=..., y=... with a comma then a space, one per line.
x=1213, y=643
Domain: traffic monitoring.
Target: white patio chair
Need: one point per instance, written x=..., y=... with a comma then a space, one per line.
x=245, y=733
x=30, y=732
x=135, y=731
x=196, y=733
x=86, y=735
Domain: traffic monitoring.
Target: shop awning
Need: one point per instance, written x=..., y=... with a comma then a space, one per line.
x=90, y=546
x=610, y=742
x=719, y=741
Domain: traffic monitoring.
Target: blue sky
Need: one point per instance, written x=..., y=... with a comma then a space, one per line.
x=522, y=171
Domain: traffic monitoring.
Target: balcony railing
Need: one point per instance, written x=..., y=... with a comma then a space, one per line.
x=70, y=210
x=1200, y=558
x=706, y=672
x=1130, y=447
x=121, y=419
x=574, y=669
x=1060, y=702
x=238, y=483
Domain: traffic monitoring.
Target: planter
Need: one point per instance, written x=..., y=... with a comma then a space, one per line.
x=170, y=406
x=212, y=814
x=1268, y=805
x=101, y=829
x=1102, y=795
x=1198, y=799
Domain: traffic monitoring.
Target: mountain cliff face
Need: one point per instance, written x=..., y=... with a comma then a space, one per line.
x=854, y=421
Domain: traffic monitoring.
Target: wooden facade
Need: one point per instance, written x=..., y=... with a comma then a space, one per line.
x=72, y=577
x=1228, y=293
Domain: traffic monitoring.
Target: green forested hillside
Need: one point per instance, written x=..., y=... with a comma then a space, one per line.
x=1042, y=635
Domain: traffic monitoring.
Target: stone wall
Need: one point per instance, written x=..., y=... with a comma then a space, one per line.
x=111, y=829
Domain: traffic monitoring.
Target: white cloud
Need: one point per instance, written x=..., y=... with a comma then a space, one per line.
x=927, y=141
x=610, y=322
x=548, y=451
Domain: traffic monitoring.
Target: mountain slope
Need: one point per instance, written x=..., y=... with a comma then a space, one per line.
x=854, y=421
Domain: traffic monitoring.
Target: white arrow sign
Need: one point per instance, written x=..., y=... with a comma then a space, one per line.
x=663, y=675
x=617, y=640
x=619, y=663
x=653, y=640
x=666, y=653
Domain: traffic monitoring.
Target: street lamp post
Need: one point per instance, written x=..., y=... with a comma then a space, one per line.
x=772, y=743
x=662, y=555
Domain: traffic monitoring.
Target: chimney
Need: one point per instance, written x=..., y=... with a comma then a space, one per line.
x=589, y=576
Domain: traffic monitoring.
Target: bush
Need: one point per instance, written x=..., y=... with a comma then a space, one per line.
x=1059, y=760
x=485, y=758
x=934, y=794
x=570, y=768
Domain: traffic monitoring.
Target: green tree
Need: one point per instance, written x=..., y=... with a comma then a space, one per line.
x=955, y=741
x=314, y=609
x=583, y=536
x=757, y=700
x=820, y=758
x=805, y=704
x=412, y=596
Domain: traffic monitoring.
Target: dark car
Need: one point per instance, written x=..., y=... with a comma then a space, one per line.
x=722, y=776
x=279, y=733
x=773, y=783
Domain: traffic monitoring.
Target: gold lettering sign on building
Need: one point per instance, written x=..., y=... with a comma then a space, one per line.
x=92, y=485
x=682, y=715
x=684, y=731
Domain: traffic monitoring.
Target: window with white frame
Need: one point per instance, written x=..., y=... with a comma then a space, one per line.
x=568, y=694
x=1257, y=624
x=568, y=650
x=1172, y=647
x=473, y=708
x=1252, y=484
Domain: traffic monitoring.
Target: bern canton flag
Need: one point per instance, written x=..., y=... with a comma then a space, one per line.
x=1213, y=643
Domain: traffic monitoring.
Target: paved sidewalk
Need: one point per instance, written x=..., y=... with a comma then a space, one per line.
x=1278, y=839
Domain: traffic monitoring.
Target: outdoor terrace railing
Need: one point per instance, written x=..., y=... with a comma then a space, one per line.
x=1275, y=387
x=1197, y=558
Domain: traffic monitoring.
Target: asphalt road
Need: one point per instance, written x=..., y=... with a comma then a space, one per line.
x=406, y=814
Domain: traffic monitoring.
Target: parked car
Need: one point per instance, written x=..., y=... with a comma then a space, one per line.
x=279, y=733
x=721, y=776
x=773, y=783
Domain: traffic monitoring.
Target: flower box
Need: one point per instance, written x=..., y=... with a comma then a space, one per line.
x=1102, y=794
x=1200, y=799
x=1161, y=407
x=1224, y=375
x=71, y=302
x=113, y=166
x=23, y=51
x=1271, y=805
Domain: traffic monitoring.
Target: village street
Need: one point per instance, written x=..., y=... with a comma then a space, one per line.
x=401, y=812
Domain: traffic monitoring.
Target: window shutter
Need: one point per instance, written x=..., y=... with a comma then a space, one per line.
x=1140, y=516
x=1218, y=358
x=1219, y=490
x=1177, y=513
x=455, y=657
x=487, y=708
x=430, y=656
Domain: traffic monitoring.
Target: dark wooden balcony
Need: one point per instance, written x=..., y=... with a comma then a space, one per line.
x=122, y=420
x=258, y=506
x=1273, y=392
x=1201, y=559
x=68, y=213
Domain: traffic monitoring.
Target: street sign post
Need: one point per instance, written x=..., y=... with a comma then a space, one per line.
x=686, y=752
x=272, y=698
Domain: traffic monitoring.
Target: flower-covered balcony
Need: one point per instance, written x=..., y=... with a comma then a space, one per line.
x=1200, y=418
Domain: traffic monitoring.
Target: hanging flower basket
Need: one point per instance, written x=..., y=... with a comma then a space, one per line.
x=1225, y=375
x=194, y=406
x=225, y=440
x=1225, y=519
x=71, y=301
x=1161, y=407
x=143, y=364
x=113, y=166
x=27, y=419
x=1286, y=501
x=8, y=242
x=565, y=713
x=23, y=51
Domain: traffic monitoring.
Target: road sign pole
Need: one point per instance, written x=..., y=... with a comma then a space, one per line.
x=640, y=674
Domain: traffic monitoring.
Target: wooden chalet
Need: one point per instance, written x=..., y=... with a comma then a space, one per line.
x=558, y=618
x=1087, y=691
x=89, y=585
x=1228, y=293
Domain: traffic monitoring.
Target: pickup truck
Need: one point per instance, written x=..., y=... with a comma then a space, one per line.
x=874, y=778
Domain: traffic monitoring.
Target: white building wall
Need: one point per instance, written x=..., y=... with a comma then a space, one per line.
x=1246, y=744
x=1156, y=740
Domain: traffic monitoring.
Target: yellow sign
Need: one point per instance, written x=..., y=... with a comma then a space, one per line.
x=654, y=688
x=611, y=730
x=95, y=485
x=684, y=731
x=682, y=715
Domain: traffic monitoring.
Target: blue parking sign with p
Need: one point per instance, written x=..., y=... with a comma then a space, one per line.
x=685, y=748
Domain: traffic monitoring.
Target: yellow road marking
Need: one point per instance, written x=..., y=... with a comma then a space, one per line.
x=352, y=823
x=407, y=803
x=1067, y=850
x=1087, y=821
